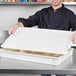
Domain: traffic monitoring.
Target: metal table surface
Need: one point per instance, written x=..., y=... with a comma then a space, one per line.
x=11, y=66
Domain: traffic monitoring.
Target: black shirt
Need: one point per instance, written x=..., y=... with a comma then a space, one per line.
x=61, y=19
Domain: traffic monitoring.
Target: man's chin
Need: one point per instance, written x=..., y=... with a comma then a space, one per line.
x=55, y=4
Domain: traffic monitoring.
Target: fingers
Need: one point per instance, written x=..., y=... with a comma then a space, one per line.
x=73, y=39
x=10, y=31
x=13, y=28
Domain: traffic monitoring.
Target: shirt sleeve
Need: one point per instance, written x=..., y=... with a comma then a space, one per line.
x=31, y=21
x=73, y=21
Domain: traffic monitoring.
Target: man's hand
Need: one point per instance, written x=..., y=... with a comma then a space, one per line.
x=13, y=28
x=74, y=38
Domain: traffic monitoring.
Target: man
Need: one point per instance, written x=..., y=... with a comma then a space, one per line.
x=54, y=17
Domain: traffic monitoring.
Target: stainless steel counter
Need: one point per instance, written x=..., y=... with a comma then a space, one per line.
x=11, y=66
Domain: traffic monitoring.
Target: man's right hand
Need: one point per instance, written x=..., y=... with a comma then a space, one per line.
x=14, y=28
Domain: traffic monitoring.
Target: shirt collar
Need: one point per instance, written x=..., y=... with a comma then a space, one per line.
x=59, y=9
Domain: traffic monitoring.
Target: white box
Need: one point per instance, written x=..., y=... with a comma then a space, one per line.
x=35, y=58
x=38, y=45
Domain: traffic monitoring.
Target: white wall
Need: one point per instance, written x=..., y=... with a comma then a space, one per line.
x=9, y=14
